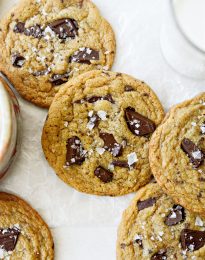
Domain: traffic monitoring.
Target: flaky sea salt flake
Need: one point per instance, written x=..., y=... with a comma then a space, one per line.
x=132, y=158
x=199, y=222
x=102, y=114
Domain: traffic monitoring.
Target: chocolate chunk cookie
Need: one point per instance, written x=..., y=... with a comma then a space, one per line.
x=44, y=43
x=155, y=227
x=23, y=233
x=97, y=133
x=177, y=154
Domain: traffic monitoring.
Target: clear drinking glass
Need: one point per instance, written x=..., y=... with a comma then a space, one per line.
x=178, y=48
x=9, y=126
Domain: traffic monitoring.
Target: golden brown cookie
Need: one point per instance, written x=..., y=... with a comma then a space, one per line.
x=177, y=154
x=153, y=227
x=23, y=233
x=97, y=132
x=44, y=43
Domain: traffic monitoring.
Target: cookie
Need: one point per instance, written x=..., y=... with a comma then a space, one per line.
x=97, y=132
x=154, y=227
x=23, y=233
x=177, y=154
x=44, y=43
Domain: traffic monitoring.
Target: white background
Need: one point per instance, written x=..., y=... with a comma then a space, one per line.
x=84, y=226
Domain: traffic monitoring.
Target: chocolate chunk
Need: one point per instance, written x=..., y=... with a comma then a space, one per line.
x=34, y=31
x=146, y=203
x=111, y=145
x=122, y=164
x=84, y=55
x=137, y=123
x=9, y=238
x=138, y=240
x=19, y=27
x=129, y=88
x=192, y=240
x=103, y=174
x=195, y=155
x=65, y=28
x=17, y=60
x=75, y=152
x=59, y=79
x=176, y=216
x=94, y=99
x=161, y=255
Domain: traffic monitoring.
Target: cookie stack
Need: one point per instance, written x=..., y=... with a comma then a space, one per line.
x=98, y=132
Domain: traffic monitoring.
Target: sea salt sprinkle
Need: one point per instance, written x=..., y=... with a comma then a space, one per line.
x=102, y=115
x=66, y=124
x=92, y=120
x=197, y=154
x=132, y=158
x=90, y=124
x=199, y=222
x=4, y=254
x=111, y=167
x=100, y=150
x=193, y=123
x=203, y=129
x=137, y=237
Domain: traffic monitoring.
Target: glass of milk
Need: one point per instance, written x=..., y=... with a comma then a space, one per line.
x=183, y=37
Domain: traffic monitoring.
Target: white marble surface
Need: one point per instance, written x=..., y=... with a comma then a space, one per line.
x=84, y=227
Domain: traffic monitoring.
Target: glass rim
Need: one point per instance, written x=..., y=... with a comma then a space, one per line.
x=191, y=43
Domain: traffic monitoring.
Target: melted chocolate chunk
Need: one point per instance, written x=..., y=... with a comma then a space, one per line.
x=9, y=238
x=129, y=88
x=122, y=164
x=34, y=31
x=111, y=145
x=59, y=79
x=161, y=255
x=192, y=240
x=94, y=99
x=84, y=55
x=17, y=60
x=176, y=216
x=65, y=28
x=146, y=203
x=75, y=152
x=195, y=155
x=19, y=27
x=137, y=123
x=103, y=174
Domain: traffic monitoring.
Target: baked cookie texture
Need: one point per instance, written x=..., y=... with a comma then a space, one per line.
x=177, y=154
x=44, y=43
x=154, y=227
x=23, y=233
x=97, y=132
